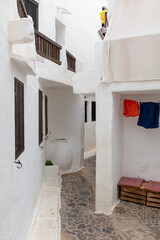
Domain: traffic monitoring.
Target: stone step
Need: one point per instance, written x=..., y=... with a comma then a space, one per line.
x=47, y=222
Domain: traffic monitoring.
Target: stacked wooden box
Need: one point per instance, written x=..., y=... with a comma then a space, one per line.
x=153, y=199
x=132, y=194
x=148, y=193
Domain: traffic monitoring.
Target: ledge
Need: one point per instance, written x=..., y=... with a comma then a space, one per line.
x=23, y=65
x=21, y=31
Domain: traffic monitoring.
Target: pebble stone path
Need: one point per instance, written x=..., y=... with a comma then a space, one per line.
x=129, y=221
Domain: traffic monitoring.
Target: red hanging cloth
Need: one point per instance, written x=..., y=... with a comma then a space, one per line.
x=130, y=108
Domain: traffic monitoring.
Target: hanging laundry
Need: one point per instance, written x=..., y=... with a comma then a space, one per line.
x=130, y=108
x=149, y=115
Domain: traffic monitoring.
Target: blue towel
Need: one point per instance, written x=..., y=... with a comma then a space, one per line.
x=149, y=115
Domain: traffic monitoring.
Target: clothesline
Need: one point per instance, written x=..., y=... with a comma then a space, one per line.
x=148, y=112
x=140, y=100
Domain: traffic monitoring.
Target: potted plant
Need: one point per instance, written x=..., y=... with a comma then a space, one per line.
x=51, y=170
x=49, y=163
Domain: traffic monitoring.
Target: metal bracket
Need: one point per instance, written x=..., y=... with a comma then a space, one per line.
x=19, y=163
x=46, y=138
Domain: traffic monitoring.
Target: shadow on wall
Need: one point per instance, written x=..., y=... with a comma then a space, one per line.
x=66, y=122
x=90, y=125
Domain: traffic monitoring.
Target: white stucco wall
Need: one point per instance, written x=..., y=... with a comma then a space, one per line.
x=141, y=146
x=109, y=164
x=90, y=138
x=80, y=35
x=66, y=118
x=19, y=187
x=104, y=181
x=123, y=148
x=26, y=183
x=117, y=144
x=90, y=127
x=111, y=6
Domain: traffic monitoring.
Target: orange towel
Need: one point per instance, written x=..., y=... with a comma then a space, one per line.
x=130, y=108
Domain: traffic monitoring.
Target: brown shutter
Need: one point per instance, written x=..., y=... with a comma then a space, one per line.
x=86, y=103
x=21, y=9
x=93, y=111
x=46, y=115
x=19, y=118
x=40, y=117
x=32, y=10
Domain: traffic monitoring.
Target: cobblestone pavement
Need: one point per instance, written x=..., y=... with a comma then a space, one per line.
x=129, y=221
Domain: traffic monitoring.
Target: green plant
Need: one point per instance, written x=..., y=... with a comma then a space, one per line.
x=49, y=163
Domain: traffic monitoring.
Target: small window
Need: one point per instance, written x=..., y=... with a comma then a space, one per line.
x=40, y=117
x=60, y=33
x=32, y=9
x=19, y=117
x=86, y=111
x=46, y=115
x=93, y=111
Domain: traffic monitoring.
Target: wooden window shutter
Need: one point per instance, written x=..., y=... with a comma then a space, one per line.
x=46, y=115
x=40, y=117
x=93, y=111
x=32, y=9
x=19, y=118
x=21, y=9
x=86, y=111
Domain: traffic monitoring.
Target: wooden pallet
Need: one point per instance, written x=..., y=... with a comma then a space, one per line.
x=153, y=199
x=133, y=195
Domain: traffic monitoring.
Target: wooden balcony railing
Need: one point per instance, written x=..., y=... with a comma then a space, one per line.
x=47, y=48
x=71, y=62
x=21, y=9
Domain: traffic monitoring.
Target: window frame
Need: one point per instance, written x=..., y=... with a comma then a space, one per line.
x=36, y=24
x=19, y=117
x=40, y=119
x=46, y=115
x=93, y=111
x=86, y=103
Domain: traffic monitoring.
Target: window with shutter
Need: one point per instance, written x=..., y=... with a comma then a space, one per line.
x=21, y=9
x=32, y=9
x=40, y=117
x=86, y=111
x=93, y=111
x=46, y=115
x=19, y=118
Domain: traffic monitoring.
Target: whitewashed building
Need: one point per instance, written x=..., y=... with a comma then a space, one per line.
x=53, y=78
x=126, y=66
x=37, y=102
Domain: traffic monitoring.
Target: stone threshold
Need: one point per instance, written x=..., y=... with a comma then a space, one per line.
x=47, y=221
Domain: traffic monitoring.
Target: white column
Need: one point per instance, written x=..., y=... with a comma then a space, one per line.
x=104, y=149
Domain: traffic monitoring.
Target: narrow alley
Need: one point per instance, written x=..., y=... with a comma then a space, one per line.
x=129, y=221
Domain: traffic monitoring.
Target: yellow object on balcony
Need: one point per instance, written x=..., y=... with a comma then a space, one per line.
x=103, y=13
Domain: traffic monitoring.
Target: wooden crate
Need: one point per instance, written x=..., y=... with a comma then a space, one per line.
x=131, y=194
x=138, y=195
x=153, y=199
